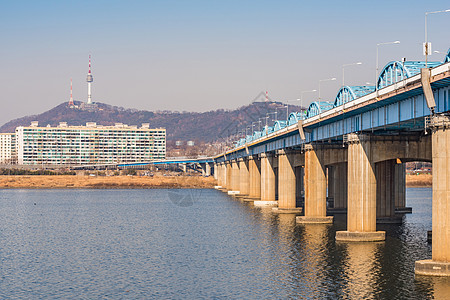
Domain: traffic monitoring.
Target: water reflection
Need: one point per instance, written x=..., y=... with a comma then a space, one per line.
x=361, y=268
x=140, y=244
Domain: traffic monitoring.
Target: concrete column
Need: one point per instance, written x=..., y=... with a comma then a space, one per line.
x=400, y=185
x=267, y=180
x=254, y=166
x=228, y=175
x=362, y=188
x=244, y=177
x=386, y=183
x=299, y=188
x=215, y=171
x=207, y=169
x=439, y=265
x=315, y=188
x=235, y=175
x=330, y=181
x=340, y=186
x=286, y=181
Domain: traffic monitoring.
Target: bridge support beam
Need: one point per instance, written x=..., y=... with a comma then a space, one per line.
x=228, y=175
x=215, y=170
x=286, y=183
x=362, y=188
x=315, y=188
x=439, y=265
x=207, y=169
x=254, y=166
x=244, y=177
x=299, y=187
x=340, y=187
x=400, y=186
x=267, y=181
x=220, y=174
x=386, y=188
x=235, y=176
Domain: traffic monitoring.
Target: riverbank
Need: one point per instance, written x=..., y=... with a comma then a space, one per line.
x=104, y=182
x=421, y=180
x=143, y=182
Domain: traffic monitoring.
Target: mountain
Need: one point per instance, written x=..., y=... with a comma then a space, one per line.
x=206, y=126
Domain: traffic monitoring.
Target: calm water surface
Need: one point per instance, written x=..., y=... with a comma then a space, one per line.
x=178, y=244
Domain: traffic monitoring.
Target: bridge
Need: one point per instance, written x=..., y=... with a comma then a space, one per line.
x=199, y=164
x=352, y=151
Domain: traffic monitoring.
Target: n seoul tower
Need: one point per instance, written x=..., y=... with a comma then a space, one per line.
x=89, y=80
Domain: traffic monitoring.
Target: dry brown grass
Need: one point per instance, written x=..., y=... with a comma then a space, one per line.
x=105, y=182
x=421, y=180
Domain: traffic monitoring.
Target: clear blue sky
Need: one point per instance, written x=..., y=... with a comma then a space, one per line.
x=201, y=55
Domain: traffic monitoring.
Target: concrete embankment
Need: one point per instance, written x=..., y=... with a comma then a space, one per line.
x=104, y=182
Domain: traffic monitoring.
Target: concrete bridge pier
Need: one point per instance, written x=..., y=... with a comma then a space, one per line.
x=254, y=166
x=400, y=189
x=299, y=187
x=244, y=177
x=228, y=175
x=235, y=184
x=439, y=265
x=267, y=181
x=387, y=185
x=206, y=169
x=215, y=170
x=315, y=188
x=362, y=189
x=339, y=186
x=286, y=183
x=218, y=173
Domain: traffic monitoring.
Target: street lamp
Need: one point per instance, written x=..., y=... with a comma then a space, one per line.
x=426, y=45
x=343, y=68
x=301, y=98
x=322, y=80
x=287, y=106
x=376, y=70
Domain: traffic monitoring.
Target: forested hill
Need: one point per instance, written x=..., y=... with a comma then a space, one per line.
x=206, y=126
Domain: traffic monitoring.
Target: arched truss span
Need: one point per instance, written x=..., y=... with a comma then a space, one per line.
x=396, y=71
x=447, y=57
x=256, y=135
x=349, y=93
x=279, y=125
x=294, y=118
x=317, y=107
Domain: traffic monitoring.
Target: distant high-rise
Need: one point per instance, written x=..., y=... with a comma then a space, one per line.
x=89, y=80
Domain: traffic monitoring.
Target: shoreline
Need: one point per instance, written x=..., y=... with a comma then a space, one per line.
x=104, y=182
x=137, y=182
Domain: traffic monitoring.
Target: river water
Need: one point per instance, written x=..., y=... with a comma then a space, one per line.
x=192, y=244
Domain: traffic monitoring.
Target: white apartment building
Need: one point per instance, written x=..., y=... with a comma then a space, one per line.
x=8, y=148
x=90, y=144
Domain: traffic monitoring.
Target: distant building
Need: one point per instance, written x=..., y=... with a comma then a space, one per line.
x=179, y=143
x=8, y=148
x=190, y=143
x=90, y=144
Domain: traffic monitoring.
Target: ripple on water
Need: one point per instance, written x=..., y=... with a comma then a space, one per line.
x=141, y=244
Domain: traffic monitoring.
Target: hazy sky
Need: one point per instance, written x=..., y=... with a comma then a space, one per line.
x=201, y=55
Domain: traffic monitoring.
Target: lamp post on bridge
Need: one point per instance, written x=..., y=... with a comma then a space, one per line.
x=427, y=45
x=343, y=70
x=287, y=106
x=322, y=80
x=376, y=70
x=301, y=99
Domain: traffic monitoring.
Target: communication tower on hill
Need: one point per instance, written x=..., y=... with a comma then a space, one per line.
x=89, y=80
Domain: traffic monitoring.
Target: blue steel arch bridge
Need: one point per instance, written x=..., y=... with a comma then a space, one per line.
x=394, y=104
